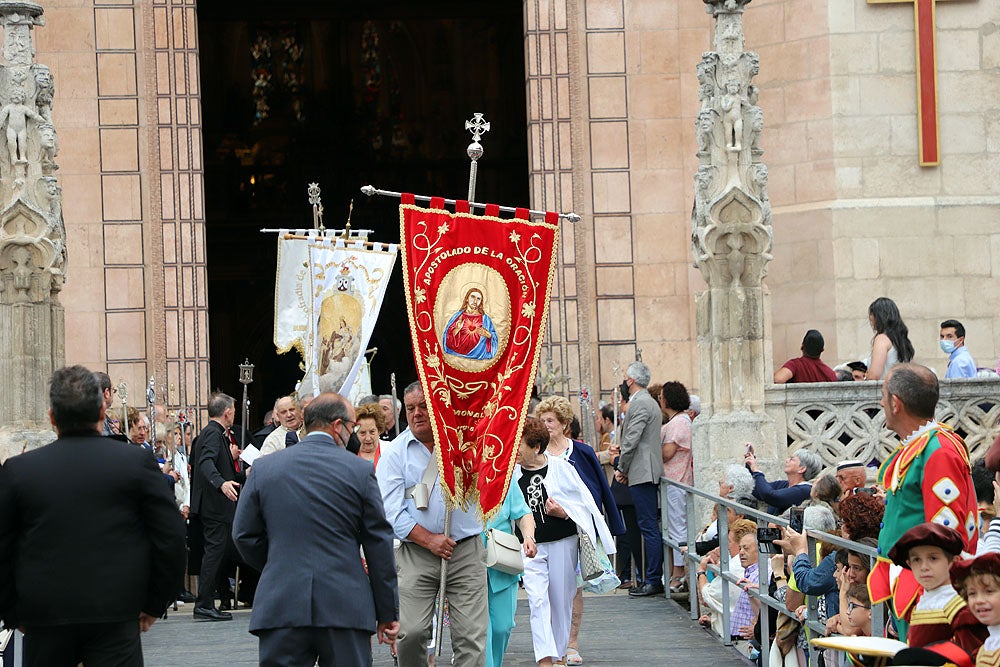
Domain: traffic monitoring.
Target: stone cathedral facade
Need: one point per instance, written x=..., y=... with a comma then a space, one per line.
x=614, y=95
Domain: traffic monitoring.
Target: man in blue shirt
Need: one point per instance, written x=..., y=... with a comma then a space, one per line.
x=411, y=493
x=960, y=363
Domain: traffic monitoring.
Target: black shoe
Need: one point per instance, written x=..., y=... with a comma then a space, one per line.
x=225, y=605
x=186, y=597
x=211, y=614
x=646, y=590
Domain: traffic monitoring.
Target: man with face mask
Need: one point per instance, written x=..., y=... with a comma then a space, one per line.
x=960, y=362
x=314, y=600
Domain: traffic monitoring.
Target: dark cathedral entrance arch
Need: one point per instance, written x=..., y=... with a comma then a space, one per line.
x=344, y=94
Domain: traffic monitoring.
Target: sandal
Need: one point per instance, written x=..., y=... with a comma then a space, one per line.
x=573, y=657
x=681, y=585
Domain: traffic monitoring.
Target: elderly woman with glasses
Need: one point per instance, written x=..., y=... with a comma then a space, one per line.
x=794, y=490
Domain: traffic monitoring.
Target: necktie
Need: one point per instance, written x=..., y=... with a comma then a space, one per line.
x=291, y=438
x=232, y=441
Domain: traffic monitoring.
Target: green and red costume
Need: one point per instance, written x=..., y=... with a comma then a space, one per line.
x=926, y=479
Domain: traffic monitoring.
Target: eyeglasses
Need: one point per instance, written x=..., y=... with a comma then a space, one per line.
x=851, y=606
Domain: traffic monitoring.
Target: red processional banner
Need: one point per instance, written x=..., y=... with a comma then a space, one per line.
x=477, y=294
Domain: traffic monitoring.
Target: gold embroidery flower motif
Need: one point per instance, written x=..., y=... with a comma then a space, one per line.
x=443, y=229
x=433, y=361
x=528, y=310
x=421, y=294
x=514, y=237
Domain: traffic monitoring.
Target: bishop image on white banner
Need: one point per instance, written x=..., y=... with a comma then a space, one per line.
x=348, y=283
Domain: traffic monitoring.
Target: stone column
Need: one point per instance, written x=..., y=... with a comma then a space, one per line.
x=731, y=240
x=32, y=236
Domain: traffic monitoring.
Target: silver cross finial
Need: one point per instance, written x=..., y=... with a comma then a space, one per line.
x=478, y=126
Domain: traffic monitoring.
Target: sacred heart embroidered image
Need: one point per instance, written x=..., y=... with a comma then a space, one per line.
x=472, y=316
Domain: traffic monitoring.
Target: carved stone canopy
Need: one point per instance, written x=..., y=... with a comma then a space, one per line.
x=716, y=7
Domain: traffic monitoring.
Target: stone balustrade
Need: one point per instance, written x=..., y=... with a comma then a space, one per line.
x=843, y=420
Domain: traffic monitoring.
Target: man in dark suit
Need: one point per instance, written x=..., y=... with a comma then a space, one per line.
x=302, y=518
x=215, y=487
x=91, y=542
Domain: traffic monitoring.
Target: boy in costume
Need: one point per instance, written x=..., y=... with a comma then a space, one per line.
x=978, y=581
x=940, y=614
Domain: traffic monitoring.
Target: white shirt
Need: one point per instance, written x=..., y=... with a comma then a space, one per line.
x=401, y=466
x=936, y=598
x=992, y=642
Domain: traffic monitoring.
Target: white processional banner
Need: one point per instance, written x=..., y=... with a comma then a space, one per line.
x=347, y=284
x=291, y=295
x=292, y=306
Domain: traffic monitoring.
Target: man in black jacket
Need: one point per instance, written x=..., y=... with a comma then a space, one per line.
x=91, y=542
x=215, y=487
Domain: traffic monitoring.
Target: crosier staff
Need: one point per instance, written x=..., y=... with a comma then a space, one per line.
x=123, y=394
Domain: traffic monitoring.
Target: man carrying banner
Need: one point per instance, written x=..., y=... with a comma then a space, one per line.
x=414, y=505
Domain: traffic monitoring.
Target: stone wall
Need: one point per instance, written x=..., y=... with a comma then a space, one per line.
x=127, y=106
x=841, y=421
x=882, y=225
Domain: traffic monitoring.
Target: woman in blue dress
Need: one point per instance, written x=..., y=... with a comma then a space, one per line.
x=503, y=586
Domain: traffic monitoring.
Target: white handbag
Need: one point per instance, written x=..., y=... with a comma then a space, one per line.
x=503, y=552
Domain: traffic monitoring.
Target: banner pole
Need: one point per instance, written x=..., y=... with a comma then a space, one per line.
x=151, y=410
x=371, y=190
x=123, y=394
x=439, y=621
x=246, y=377
x=395, y=397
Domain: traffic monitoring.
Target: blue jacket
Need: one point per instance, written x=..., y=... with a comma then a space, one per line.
x=818, y=580
x=777, y=494
x=589, y=468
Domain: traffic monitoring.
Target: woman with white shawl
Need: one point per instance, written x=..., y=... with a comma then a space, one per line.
x=563, y=508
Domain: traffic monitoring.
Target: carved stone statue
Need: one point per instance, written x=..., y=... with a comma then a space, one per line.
x=45, y=91
x=731, y=239
x=732, y=117
x=32, y=235
x=14, y=116
x=705, y=123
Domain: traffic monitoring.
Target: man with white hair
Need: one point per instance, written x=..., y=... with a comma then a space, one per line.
x=640, y=465
x=695, y=408
x=289, y=421
x=390, y=410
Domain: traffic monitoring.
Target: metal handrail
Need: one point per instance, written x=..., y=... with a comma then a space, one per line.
x=812, y=536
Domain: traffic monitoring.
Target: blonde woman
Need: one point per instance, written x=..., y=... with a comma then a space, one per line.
x=556, y=414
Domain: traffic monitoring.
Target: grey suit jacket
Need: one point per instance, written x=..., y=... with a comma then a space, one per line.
x=302, y=518
x=642, y=454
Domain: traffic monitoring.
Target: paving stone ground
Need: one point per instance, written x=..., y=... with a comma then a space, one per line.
x=617, y=630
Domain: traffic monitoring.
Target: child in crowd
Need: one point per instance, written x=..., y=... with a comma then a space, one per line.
x=859, y=612
x=940, y=614
x=978, y=581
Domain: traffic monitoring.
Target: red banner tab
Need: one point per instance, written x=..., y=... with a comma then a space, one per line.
x=477, y=293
